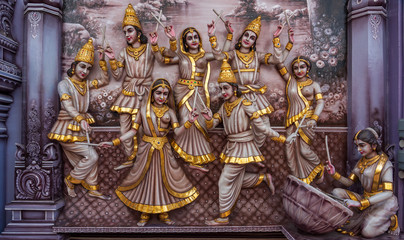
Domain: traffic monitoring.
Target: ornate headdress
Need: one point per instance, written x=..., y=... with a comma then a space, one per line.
x=131, y=18
x=164, y=84
x=255, y=26
x=86, y=53
x=226, y=74
x=299, y=59
x=370, y=130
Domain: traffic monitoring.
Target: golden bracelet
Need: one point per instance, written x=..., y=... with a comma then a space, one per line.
x=120, y=65
x=187, y=124
x=319, y=96
x=175, y=125
x=135, y=126
x=116, y=141
x=289, y=46
x=314, y=117
x=213, y=41
x=65, y=96
x=103, y=65
x=95, y=83
x=155, y=48
x=267, y=56
x=336, y=176
x=283, y=71
x=209, y=123
x=281, y=139
x=166, y=60
x=229, y=36
x=78, y=118
x=173, y=45
x=277, y=42
x=364, y=203
x=113, y=64
x=353, y=177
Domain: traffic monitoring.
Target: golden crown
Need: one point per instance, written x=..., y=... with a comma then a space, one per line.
x=86, y=53
x=131, y=18
x=226, y=74
x=255, y=26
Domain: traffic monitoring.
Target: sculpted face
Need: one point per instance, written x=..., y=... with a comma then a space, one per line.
x=192, y=40
x=226, y=90
x=82, y=70
x=160, y=95
x=248, y=39
x=300, y=69
x=130, y=34
x=364, y=148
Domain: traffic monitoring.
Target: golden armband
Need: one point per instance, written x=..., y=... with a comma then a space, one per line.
x=175, y=125
x=336, y=176
x=217, y=116
x=78, y=118
x=289, y=46
x=113, y=64
x=277, y=42
x=229, y=36
x=255, y=115
x=135, y=126
x=213, y=41
x=364, y=203
x=65, y=96
x=281, y=139
x=353, y=177
x=187, y=124
x=314, y=117
x=267, y=56
x=209, y=123
x=95, y=83
x=387, y=186
x=155, y=48
x=166, y=60
x=283, y=71
x=173, y=45
x=116, y=141
x=120, y=65
x=319, y=96
x=103, y=65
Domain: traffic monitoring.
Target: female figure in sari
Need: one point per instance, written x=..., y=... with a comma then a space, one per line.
x=304, y=101
x=239, y=116
x=135, y=62
x=73, y=121
x=375, y=209
x=191, y=91
x=156, y=183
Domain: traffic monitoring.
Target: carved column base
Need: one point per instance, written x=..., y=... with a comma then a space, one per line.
x=32, y=220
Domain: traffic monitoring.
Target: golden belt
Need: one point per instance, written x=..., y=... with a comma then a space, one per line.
x=191, y=83
x=261, y=90
x=156, y=142
x=246, y=70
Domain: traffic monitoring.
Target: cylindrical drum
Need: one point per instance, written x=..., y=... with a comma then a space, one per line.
x=312, y=210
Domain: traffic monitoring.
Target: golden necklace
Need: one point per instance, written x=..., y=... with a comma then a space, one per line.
x=196, y=56
x=160, y=111
x=364, y=163
x=305, y=83
x=246, y=58
x=136, y=52
x=79, y=85
x=228, y=106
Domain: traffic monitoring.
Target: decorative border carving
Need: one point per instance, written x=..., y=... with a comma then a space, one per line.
x=34, y=18
x=375, y=21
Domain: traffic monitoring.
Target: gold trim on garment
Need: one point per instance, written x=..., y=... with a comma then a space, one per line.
x=128, y=93
x=260, y=179
x=65, y=96
x=66, y=138
x=364, y=163
x=267, y=110
x=290, y=120
x=267, y=56
x=74, y=128
x=378, y=171
x=191, y=83
x=246, y=58
x=124, y=109
x=238, y=160
x=353, y=177
x=197, y=125
x=225, y=214
x=229, y=106
x=261, y=90
x=317, y=171
x=198, y=160
x=246, y=70
x=89, y=187
x=155, y=208
x=157, y=142
x=80, y=86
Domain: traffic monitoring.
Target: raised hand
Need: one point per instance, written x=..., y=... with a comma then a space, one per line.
x=153, y=38
x=101, y=53
x=229, y=29
x=352, y=203
x=291, y=138
x=170, y=33
x=291, y=34
x=105, y=144
x=110, y=52
x=193, y=115
x=85, y=126
x=330, y=168
x=207, y=113
x=278, y=31
x=211, y=28
x=311, y=123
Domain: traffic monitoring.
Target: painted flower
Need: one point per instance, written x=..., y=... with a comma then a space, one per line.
x=103, y=104
x=99, y=96
x=105, y=94
x=320, y=64
x=324, y=55
x=333, y=50
x=333, y=61
x=314, y=57
x=328, y=31
x=109, y=97
x=334, y=39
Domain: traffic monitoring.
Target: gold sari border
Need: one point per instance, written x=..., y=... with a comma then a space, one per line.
x=66, y=138
x=237, y=160
x=318, y=169
x=198, y=160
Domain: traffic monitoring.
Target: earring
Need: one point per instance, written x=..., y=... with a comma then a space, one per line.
x=166, y=101
x=152, y=100
x=235, y=93
x=73, y=71
x=374, y=149
x=138, y=38
x=238, y=45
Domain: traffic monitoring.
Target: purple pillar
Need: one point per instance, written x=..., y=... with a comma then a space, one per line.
x=366, y=68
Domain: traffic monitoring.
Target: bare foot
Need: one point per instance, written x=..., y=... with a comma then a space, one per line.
x=70, y=188
x=141, y=223
x=217, y=222
x=198, y=167
x=124, y=165
x=268, y=179
x=96, y=194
